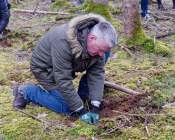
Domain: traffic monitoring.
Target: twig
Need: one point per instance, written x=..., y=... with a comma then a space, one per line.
x=32, y=116
x=147, y=131
x=110, y=131
x=120, y=88
x=167, y=14
x=165, y=35
x=146, y=126
x=140, y=115
x=64, y=17
x=158, y=17
x=39, y=12
x=127, y=50
x=48, y=125
x=36, y=7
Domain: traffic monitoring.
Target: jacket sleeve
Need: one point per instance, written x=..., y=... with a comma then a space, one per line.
x=4, y=14
x=95, y=78
x=62, y=67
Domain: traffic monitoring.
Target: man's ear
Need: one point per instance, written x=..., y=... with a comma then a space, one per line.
x=92, y=37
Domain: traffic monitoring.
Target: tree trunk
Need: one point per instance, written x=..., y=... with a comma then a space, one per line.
x=132, y=23
x=134, y=33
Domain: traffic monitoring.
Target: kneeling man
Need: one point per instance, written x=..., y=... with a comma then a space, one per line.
x=77, y=46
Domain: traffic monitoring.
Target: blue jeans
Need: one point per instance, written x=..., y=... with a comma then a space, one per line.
x=4, y=14
x=53, y=99
x=144, y=7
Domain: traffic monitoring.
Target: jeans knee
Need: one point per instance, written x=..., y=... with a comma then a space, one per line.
x=27, y=87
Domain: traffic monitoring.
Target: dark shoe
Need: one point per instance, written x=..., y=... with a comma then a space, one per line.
x=19, y=102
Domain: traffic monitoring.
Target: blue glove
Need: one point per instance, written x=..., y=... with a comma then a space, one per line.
x=90, y=117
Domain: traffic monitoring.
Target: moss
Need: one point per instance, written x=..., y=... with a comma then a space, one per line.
x=158, y=47
x=117, y=24
x=24, y=47
x=145, y=65
x=18, y=34
x=122, y=55
x=75, y=9
x=115, y=10
x=101, y=9
x=3, y=78
x=58, y=4
x=162, y=86
x=161, y=130
x=83, y=129
x=131, y=85
x=20, y=126
x=133, y=133
x=138, y=38
x=149, y=45
x=163, y=49
x=173, y=37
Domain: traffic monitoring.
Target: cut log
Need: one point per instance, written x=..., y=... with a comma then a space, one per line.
x=39, y=12
x=120, y=88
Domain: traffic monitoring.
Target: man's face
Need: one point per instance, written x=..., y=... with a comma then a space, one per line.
x=96, y=46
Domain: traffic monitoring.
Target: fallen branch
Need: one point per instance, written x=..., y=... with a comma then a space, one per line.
x=158, y=17
x=32, y=116
x=140, y=115
x=39, y=12
x=47, y=125
x=165, y=35
x=120, y=88
x=127, y=50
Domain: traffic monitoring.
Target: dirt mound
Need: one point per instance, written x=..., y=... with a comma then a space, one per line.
x=129, y=104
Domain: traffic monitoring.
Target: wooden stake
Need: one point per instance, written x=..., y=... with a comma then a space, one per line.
x=120, y=88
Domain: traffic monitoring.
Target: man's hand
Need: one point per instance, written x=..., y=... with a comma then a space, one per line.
x=90, y=117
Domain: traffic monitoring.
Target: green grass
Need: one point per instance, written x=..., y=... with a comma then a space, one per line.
x=160, y=82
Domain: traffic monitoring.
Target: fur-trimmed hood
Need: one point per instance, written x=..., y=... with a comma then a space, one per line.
x=78, y=23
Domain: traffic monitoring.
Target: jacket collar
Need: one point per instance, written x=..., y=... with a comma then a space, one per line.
x=77, y=49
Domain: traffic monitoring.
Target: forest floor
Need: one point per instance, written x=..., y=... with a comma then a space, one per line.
x=147, y=116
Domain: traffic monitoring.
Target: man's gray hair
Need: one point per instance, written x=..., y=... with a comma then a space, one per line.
x=105, y=31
